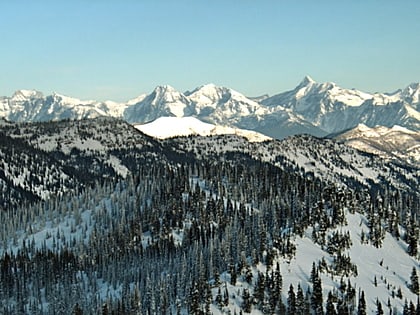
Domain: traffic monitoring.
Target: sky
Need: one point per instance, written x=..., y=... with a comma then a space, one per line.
x=119, y=49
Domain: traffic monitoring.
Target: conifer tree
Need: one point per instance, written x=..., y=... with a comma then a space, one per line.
x=316, y=298
x=291, y=301
x=412, y=237
x=259, y=290
x=300, y=301
x=330, y=308
x=246, y=301
x=414, y=285
x=361, y=308
x=406, y=310
x=379, y=310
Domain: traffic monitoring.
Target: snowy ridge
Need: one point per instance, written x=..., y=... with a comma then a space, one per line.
x=168, y=127
x=396, y=143
x=325, y=159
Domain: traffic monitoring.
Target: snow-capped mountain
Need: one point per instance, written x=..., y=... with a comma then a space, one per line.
x=163, y=101
x=219, y=106
x=335, y=109
x=29, y=105
x=168, y=127
x=313, y=108
x=411, y=95
x=396, y=143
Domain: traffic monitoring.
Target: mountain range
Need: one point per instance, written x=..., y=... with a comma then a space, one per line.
x=313, y=108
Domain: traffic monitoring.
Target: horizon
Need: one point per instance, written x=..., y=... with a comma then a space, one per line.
x=191, y=89
x=109, y=50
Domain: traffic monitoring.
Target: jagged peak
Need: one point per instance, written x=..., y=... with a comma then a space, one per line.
x=162, y=89
x=307, y=80
x=26, y=94
x=209, y=88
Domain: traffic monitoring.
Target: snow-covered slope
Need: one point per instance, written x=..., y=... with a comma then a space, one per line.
x=396, y=143
x=168, y=127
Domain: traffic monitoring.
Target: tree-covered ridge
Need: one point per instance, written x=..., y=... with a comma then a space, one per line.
x=192, y=238
x=199, y=224
x=40, y=159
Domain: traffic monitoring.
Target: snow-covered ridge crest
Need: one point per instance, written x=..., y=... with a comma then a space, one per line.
x=395, y=143
x=168, y=127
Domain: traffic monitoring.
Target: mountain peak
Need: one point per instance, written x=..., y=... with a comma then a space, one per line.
x=21, y=95
x=306, y=81
x=165, y=89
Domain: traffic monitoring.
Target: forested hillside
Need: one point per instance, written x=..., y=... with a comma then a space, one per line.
x=101, y=219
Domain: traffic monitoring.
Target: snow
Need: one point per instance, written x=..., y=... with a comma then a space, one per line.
x=22, y=95
x=390, y=264
x=349, y=97
x=391, y=143
x=136, y=100
x=167, y=127
x=118, y=166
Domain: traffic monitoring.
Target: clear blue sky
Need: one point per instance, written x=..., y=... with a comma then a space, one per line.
x=119, y=49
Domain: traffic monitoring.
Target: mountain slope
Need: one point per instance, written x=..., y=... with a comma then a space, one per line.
x=396, y=143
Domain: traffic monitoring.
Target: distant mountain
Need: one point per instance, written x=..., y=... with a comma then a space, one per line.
x=27, y=106
x=396, y=143
x=311, y=108
x=168, y=127
x=334, y=109
x=163, y=101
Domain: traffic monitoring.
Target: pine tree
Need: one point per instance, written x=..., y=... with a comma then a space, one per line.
x=412, y=237
x=406, y=311
x=246, y=301
x=342, y=308
x=233, y=274
x=414, y=285
x=316, y=298
x=194, y=302
x=314, y=273
x=218, y=298
x=379, y=310
x=259, y=290
x=412, y=308
x=361, y=308
x=291, y=301
x=300, y=301
x=77, y=310
x=226, y=296
x=330, y=309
